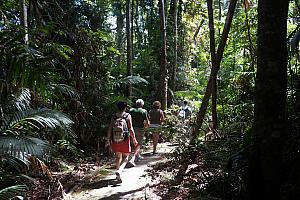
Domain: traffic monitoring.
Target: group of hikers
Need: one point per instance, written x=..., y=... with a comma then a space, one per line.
x=127, y=128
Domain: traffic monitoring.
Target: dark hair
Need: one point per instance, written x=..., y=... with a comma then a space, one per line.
x=122, y=105
x=156, y=105
x=185, y=102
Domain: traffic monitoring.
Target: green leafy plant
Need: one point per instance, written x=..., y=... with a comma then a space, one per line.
x=9, y=192
x=23, y=134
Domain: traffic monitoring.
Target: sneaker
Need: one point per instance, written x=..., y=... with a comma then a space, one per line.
x=139, y=157
x=118, y=177
x=131, y=162
x=154, y=153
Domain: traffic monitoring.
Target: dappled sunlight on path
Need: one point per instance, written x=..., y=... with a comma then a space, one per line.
x=136, y=183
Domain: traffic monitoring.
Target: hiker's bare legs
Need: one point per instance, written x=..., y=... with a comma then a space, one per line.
x=121, y=160
x=124, y=161
x=155, y=138
x=118, y=160
x=139, y=138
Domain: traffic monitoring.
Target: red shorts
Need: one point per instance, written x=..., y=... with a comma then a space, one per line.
x=123, y=147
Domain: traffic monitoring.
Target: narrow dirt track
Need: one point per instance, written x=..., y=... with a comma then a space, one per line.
x=136, y=183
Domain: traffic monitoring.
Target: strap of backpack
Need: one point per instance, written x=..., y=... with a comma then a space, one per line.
x=125, y=116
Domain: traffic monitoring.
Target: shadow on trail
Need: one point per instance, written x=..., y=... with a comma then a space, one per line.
x=119, y=195
x=148, y=158
x=112, y=182
x=136, y=180
x=100, y=184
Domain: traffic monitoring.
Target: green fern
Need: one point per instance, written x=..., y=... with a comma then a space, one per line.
x=10, y=192
x=20, y=130
x=132, y=80
x=63, y=89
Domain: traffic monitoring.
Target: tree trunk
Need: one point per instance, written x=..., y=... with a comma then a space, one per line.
x=252, y=69
x=163, y=63
x=213, y=63
x=24, y=19
x=132, y=31
x=120, y=26
x=174, y=68
x=269, y=128
x=129, y=45
x=166, y=5
x=214, y=70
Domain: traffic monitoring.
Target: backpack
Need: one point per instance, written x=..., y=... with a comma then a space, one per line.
x=120, y=129
x=184, y=113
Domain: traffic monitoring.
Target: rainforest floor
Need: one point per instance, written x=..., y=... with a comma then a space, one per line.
x=159, y=176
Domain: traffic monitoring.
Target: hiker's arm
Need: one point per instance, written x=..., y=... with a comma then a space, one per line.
x=162, y=117
x=147, y=121
x=109, y=133
x=131, y=131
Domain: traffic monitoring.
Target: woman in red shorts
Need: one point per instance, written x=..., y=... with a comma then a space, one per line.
x=121, y=148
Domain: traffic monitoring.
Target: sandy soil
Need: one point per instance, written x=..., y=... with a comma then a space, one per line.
x=136, y=182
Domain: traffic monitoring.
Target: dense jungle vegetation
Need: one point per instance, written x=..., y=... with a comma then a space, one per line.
x=65, y=64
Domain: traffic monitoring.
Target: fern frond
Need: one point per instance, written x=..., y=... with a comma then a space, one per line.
x=20, y=147
x=13, y=162
x=10, y=192
x=58, y=49
x=132, y=80
x=63, y=89
x=20, y=100
x=30, y=121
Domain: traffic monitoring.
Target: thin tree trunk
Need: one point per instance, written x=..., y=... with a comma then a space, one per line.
x=198, y=30
x=166, y=5
x=214, y=70
x=213, y=63
x=132, y=30
x=120, y=26
x=24, y=19
x=139, y=37
x=129, y=45
x=174, y=69
x=250, y=41
x=163, y=64
x=269, y=127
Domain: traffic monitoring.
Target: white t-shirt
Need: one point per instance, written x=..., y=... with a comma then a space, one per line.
x=184, y=112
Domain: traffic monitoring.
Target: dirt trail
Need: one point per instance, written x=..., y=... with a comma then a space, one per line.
x=136, y=183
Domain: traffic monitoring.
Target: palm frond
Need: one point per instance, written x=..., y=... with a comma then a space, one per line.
x=61, y=50
x=10, y=192
x=132, y=80
x=30, y=121
x=63, y=89
x=20, y=100
x=13, y=162
x=20, y=147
